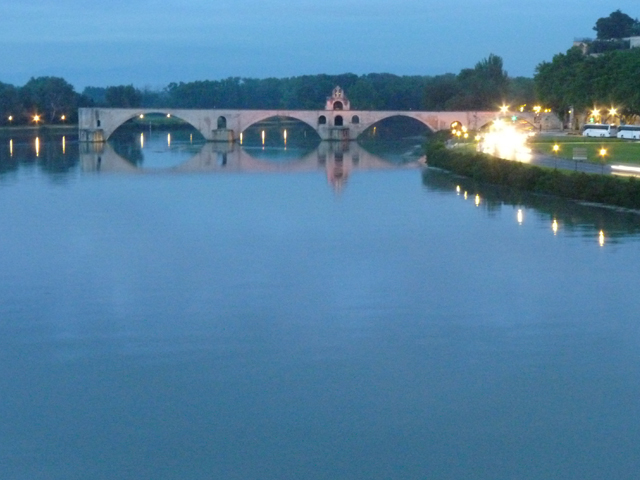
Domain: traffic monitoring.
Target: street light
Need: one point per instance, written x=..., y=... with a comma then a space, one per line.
x=603, y=153
x=504, y=108
x=556, y=149
x=36, y=118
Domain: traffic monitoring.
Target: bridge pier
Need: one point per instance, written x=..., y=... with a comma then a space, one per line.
x=336, y=134
x=90, y=135
x=223, y=135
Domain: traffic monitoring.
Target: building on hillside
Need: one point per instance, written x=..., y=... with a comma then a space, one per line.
x=589, y=46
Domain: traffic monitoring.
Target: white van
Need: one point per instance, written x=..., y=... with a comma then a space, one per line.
x=596, y=130
x=629, y=131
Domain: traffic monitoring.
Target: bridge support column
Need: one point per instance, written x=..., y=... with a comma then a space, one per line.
x=91, y=135
x=222, y=135
x=335, y=134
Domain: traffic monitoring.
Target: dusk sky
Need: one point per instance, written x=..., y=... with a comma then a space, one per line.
x=154, y=42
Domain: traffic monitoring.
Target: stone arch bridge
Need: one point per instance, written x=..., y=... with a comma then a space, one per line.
x=225, y=125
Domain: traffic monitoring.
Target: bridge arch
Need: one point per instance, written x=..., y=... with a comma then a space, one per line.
x=121, y=116
x=416, y=119
x=299, y=116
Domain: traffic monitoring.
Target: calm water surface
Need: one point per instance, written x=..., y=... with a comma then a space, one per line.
x=175, y=310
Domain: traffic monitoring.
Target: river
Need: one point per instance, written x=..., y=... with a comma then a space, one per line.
x=177, y=310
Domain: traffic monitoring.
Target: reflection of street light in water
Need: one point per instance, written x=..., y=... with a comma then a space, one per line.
x=554, y=226
x=601, y=238
x=520, y=216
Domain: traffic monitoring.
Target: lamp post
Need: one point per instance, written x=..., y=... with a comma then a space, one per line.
x=556, y=149
x=603, y=153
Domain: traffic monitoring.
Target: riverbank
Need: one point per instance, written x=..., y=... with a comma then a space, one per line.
x=610, y=190
x=31, y=128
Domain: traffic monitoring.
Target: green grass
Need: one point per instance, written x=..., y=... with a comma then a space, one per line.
x=618, y=151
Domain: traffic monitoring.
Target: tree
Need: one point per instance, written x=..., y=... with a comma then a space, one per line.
x=51, y=97
x=439, y=90
x=616, y=25
x=483, y=87
x=9, y=103
x=123, y=96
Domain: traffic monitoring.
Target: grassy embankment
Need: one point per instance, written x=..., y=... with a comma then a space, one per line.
x=605, y=189
x=618, y=151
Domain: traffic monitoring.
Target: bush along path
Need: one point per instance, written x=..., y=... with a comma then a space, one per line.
x=605, y=189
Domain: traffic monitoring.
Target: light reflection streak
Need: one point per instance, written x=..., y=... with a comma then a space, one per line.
x=142, y=140
x=520, y=216
x=11, y=147
x=64, y=145
x=554, y=226
x=477, y=200
x=625, y=170
x=37, y=146
x=168, y=140
x=601, y=238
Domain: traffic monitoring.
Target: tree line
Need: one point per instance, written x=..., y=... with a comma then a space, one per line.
x=484, y=87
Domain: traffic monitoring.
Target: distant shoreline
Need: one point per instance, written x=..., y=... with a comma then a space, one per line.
x=15, y=128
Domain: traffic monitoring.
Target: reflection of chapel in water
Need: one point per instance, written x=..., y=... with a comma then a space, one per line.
x=338, y=161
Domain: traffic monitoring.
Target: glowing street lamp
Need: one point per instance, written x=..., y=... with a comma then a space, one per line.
x=603, y=154
x=63, y=117
x=141, y=115
x=504, y=108
x=556, y=148
x=36, y=118
x=10, y=118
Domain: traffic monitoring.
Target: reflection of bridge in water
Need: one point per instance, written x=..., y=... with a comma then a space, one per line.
x=338, y=160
